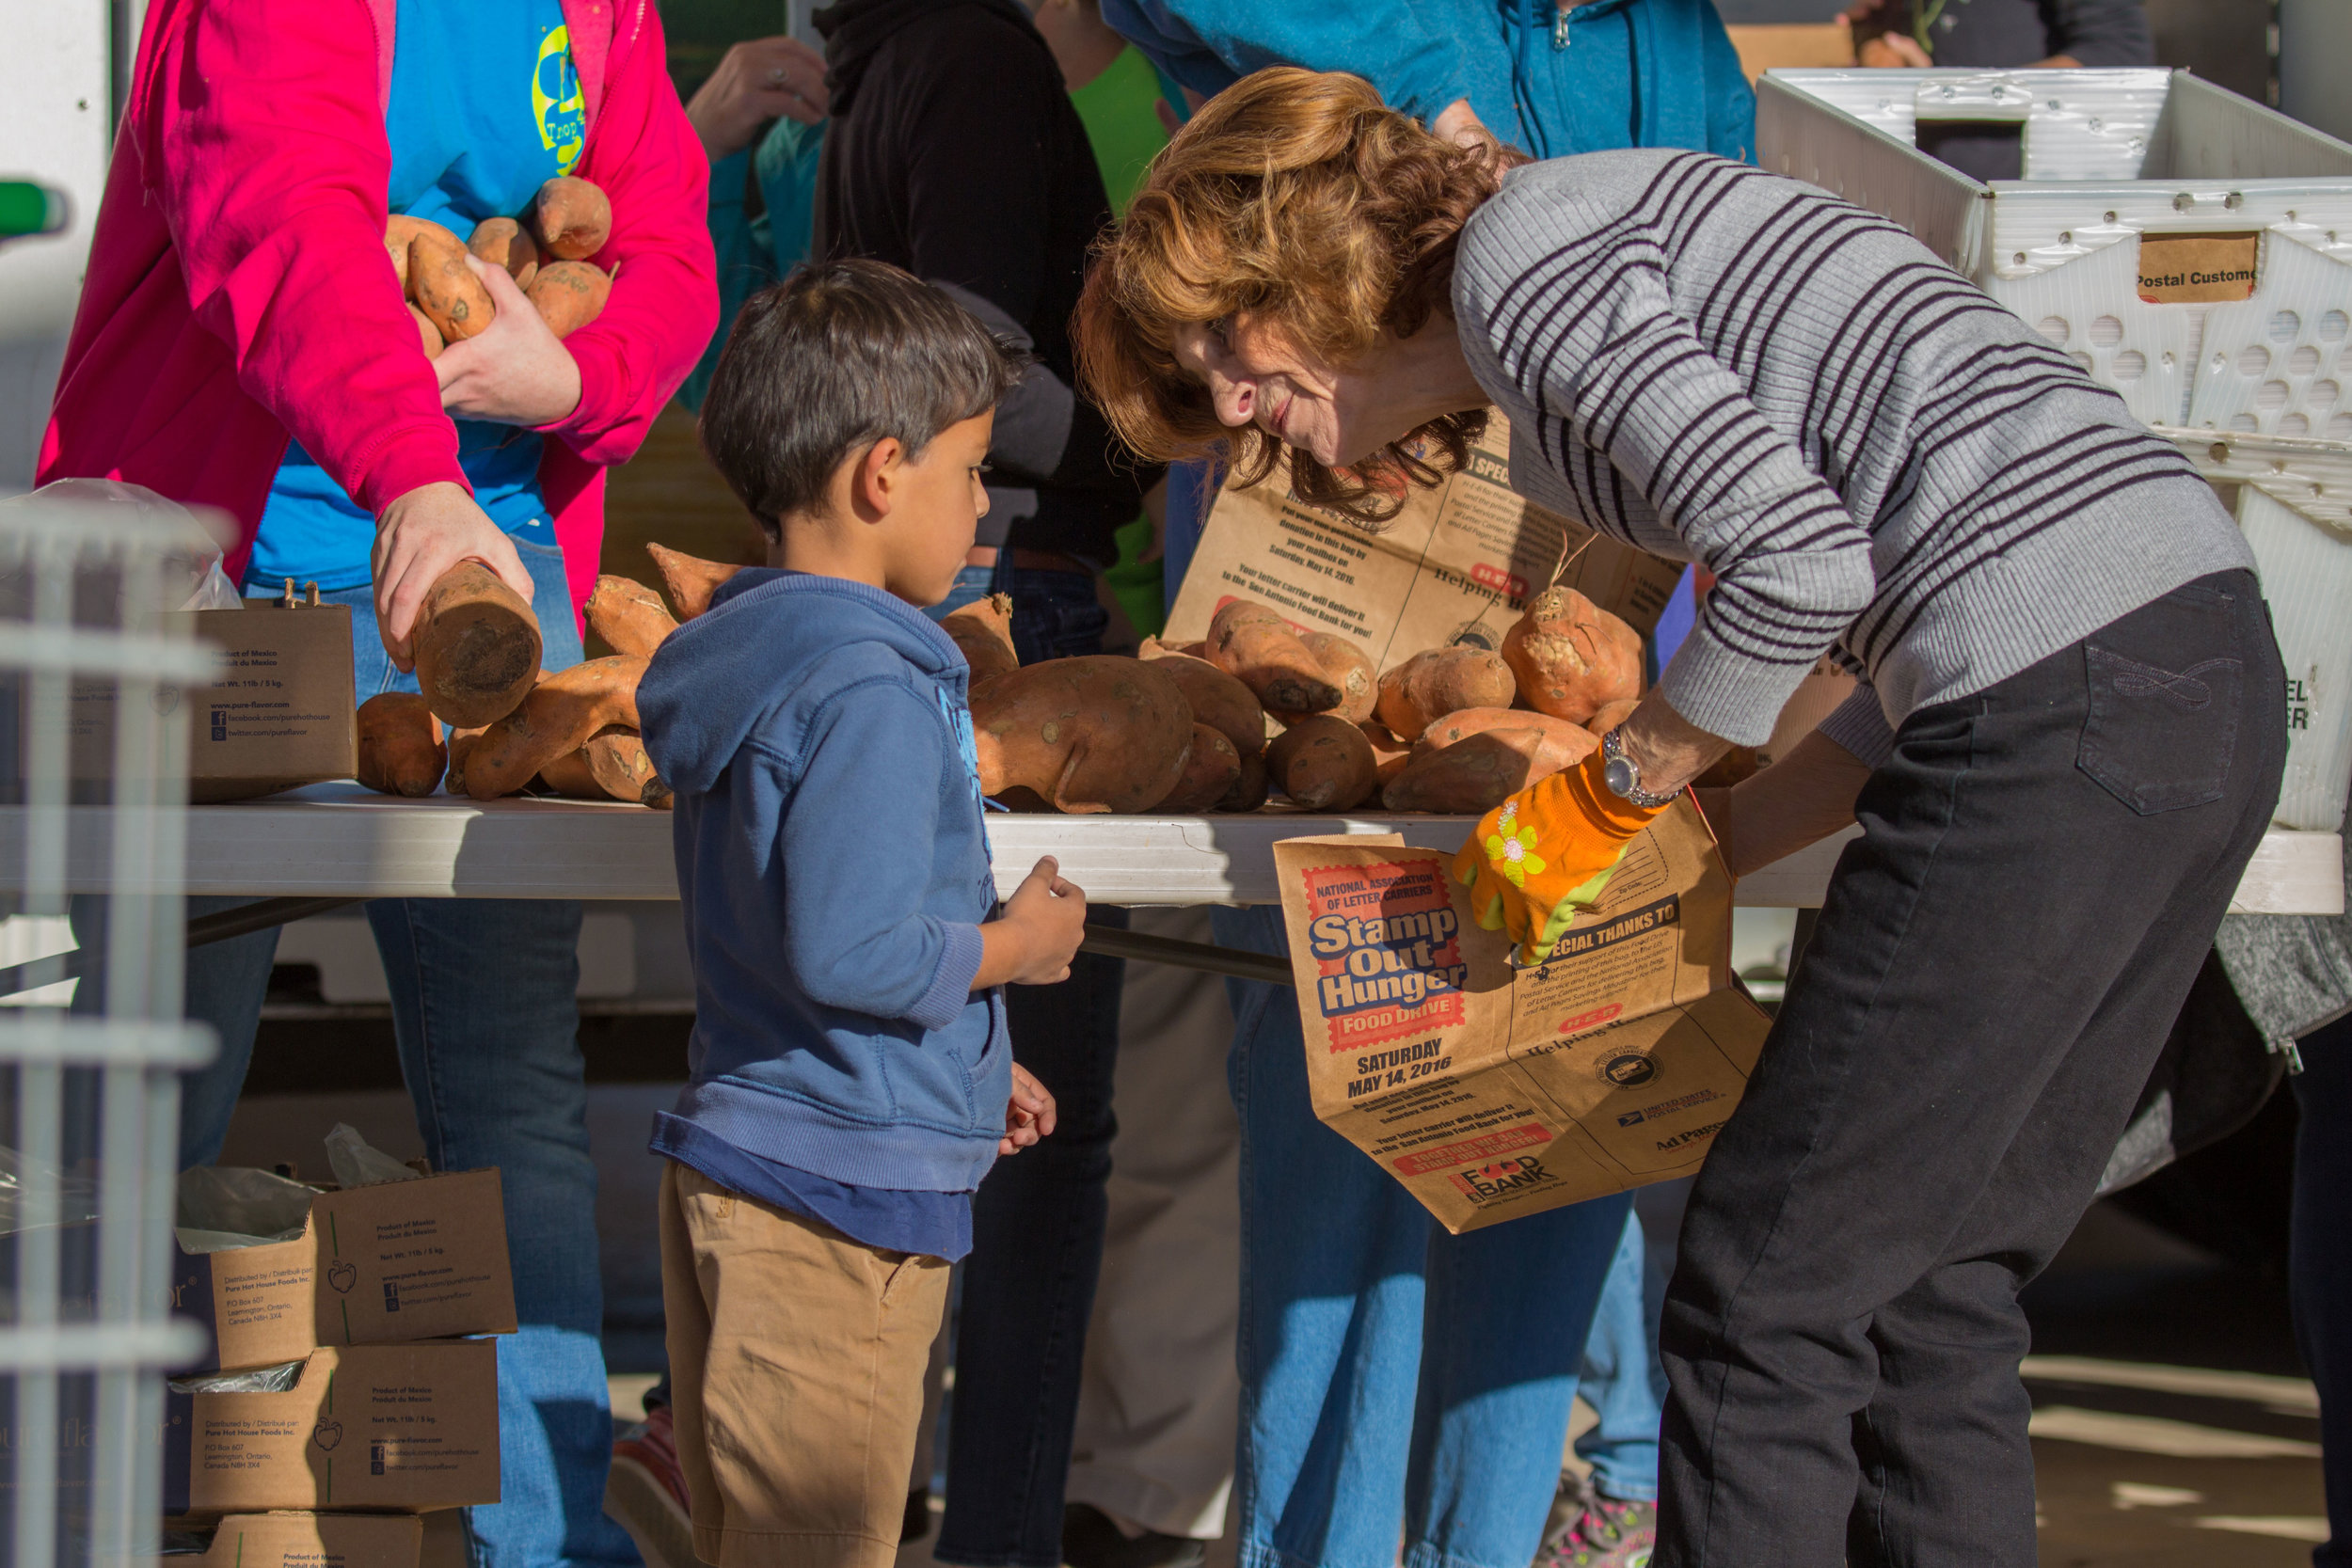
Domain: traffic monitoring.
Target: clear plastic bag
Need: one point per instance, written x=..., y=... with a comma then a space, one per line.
x=225, y=1206
x=358, y=1163
x=203, y=585
x=77, y=1196
x=280, y=1379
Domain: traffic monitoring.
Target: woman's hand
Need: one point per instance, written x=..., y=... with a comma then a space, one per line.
x=759, y=81
x=1540, y=859
x=513, y=371
x=421, y=535
x=1028, y=1115
x=1668, y=749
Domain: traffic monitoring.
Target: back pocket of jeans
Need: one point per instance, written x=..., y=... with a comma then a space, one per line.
x=2165, y=694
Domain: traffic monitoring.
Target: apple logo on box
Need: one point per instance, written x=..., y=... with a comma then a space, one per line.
x=328, y=1433
x=342, y=1275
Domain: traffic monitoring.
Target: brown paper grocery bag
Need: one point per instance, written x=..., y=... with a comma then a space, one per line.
x=1493, y=1091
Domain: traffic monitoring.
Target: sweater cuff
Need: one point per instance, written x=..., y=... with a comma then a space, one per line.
x=1859, y=725
x=600, y=367
x=408, y=459
x=1729, y=696
x=951, y=987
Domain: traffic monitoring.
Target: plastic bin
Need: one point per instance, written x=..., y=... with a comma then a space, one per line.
x=2148, y=198
x=2293, y=500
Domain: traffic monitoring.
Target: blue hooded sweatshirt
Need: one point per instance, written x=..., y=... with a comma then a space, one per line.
x=1607, y=74
x=833, y=872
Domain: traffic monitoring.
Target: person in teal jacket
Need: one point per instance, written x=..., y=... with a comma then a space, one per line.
x=1549, y=76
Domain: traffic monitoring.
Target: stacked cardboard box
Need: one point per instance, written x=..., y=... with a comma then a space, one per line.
x=343, y=1378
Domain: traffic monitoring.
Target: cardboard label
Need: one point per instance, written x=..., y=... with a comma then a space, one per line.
x=2197, y=269
x=317, y=1541
x=1457, y=564
x=1492, y=1091
x=398, y=1261
x=400, y=1427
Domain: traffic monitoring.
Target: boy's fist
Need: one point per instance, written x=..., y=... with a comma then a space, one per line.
x=1050, y=914
x=1028, y=1115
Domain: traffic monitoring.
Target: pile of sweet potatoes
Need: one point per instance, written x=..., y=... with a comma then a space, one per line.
x=546, y=251
x=1260, y=709
x=491, y=723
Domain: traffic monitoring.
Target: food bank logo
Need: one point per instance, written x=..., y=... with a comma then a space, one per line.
x=1388, y=960
x=1500, y=1179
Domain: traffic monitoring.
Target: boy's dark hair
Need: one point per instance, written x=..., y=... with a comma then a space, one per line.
x=839, y=355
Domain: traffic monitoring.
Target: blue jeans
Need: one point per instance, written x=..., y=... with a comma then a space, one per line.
x=1623, y=1381
x=1397, y=1383
x=486, y=1013
x=1037, y=1221
x=2319, y=1269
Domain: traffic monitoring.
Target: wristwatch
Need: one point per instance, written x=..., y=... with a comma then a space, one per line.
x=1623, y=776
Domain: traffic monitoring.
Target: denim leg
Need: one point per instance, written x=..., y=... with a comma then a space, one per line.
x=485, y=1009
x=1508, y=1313
x=2320, y=1263
x=1622, y=1379
x=227, y=982
x=1029, y=1285
x=1329, y=1346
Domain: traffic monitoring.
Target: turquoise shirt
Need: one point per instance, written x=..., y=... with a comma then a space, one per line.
x=486, y=108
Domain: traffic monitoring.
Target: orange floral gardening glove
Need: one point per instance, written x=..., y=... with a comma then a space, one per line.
x=1540, y=859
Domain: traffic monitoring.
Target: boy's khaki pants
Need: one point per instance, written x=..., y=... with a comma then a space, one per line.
x=795, y=1370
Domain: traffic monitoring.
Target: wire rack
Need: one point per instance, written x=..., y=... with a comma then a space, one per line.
x=93, y=686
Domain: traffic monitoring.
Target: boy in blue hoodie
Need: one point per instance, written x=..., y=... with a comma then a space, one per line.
x=852, y=1080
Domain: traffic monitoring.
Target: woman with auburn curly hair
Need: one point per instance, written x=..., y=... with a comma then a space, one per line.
x=2066, y=741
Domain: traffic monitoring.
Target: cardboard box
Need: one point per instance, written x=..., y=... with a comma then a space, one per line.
x=1491, y=1091
x=398, y=1261
x=404, y=1428
x=299, y=1540
x=1457, y=564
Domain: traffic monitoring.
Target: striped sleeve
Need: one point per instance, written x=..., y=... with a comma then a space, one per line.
x=1576, y=313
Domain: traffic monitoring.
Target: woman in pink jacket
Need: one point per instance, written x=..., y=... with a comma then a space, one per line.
x=241, y=344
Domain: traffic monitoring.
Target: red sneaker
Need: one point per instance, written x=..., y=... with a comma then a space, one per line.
x=645, y=1494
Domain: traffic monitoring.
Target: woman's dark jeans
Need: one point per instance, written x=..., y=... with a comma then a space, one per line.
x=2320, y=1262
x=1036, y=1224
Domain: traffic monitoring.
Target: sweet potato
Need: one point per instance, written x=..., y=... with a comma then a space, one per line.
x=1217, y=701
x=562, y=714
x=1257, y=647
x=501, y=242
x=400, y=232
x=983, y=629
x=690, y=579
x=1571, y=657
x=400, y=751
x=444, y=287
x=571, y=217
x=1322, y=762
x=1609, y=715
x=1479, y=772
x=569, y=294
x=1349, y=668
x=1089, y=734
x=629, y=616
x=658, y=795
x=1388, y=753
x=1212, y=769
x=1432, y=684
x=1153, y=648
x=617, y=760
x=568, y=776
x=1250, y=789
x=477, y=647
x=1572, y=739
x=428, y=335
x=461, y=745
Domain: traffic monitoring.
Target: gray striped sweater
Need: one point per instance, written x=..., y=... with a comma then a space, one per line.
x=1876, y=462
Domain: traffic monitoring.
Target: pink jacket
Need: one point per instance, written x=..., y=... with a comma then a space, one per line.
x=228, y=307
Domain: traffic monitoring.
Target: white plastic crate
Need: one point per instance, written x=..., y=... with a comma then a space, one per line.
x=2111, y=158
x=2293, y=500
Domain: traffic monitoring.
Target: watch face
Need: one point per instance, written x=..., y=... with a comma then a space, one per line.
x=1621, y=777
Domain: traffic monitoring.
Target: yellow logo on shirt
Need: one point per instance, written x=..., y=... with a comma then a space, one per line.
x=556, y=104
